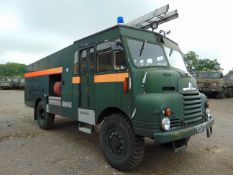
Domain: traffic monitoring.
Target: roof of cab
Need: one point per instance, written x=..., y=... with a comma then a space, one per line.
x=122, y=26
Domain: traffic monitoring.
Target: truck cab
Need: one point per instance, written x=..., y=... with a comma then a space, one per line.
x=161, y=86
x=213, y=83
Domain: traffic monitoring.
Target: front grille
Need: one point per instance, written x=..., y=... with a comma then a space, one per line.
x=175, y=123
x=192, y=109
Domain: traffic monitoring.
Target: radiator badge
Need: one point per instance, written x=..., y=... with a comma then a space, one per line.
x=189, y=88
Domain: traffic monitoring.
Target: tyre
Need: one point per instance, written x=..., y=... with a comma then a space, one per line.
x=122, y=149
x=229, y=93
x=45, y=120
x=220, y=95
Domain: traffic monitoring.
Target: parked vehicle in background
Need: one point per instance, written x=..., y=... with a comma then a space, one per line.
x=228, y=79
x=12, y=82
x=15, y=82
x=213, y=83
x=5, y=83
x=22, y=83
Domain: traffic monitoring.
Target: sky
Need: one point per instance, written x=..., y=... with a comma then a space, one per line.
x=31, y=30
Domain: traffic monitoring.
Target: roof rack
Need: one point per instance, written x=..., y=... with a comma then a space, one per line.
x=153, y=19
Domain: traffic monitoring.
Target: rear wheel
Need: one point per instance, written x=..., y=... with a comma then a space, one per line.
x=122, y=149
x=45, y=120
x=221, y=94
x=229, y=93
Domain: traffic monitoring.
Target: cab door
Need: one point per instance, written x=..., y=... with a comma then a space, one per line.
x=67, y=88
x=87, y=78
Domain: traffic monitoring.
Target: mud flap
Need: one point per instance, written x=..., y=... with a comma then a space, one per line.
x=209, y=132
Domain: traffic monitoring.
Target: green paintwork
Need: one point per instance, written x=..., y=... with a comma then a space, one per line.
x=143, y=103
x=67, y=73
x=87, y=82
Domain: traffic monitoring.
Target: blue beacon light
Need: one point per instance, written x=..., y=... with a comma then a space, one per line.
x=120, y=20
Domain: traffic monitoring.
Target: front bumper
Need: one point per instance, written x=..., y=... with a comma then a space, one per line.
x=165, y=137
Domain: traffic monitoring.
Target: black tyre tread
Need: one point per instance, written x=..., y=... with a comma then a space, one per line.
x=138, y=154
x=229, y=93
x=220, y=95
x=138, y=142
x=49, y=118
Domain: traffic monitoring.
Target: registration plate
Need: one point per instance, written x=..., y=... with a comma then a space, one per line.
x=201, y=128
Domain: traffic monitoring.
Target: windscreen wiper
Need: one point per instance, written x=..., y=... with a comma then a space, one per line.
x=143, y=46
x=170, y=53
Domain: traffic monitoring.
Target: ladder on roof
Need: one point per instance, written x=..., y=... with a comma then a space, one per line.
x=154, y=19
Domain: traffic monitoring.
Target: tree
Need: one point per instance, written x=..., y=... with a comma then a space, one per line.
x=207, y=64
x=12, y=69
x=196, y=64
x=191, y=60
x=230, y=72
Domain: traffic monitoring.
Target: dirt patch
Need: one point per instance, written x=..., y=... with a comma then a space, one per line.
x=19, y=134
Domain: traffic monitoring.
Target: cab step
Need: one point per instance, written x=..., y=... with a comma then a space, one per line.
x=87, y=128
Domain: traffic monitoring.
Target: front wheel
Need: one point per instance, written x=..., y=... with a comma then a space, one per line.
x=45, y=120
x=122, y=149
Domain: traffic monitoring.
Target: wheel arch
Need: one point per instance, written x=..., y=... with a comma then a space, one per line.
x=108, y=111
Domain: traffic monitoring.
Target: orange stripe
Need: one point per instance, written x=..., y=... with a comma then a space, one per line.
x=44, y=72
x=75, y=80
x=119, y=77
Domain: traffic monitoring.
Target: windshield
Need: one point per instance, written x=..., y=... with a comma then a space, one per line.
x=213, y=75
x=203, y=75
x=175, y=59
x=145, y=54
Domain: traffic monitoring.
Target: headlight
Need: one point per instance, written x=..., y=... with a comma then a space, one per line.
x=207, y=111
x=166, y=123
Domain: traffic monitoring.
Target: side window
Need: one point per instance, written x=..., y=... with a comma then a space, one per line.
x=120, y=61
x=83, y=61
x=105, y=62
x=92, y=59
x=76, y=65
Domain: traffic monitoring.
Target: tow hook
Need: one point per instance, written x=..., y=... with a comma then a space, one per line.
x=180, y=145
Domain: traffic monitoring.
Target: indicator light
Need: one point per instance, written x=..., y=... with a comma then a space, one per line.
x=167, y=112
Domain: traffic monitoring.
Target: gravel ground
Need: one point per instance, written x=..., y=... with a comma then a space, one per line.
x=25, y=149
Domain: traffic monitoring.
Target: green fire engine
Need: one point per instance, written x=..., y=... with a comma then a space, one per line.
x=130, y=80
